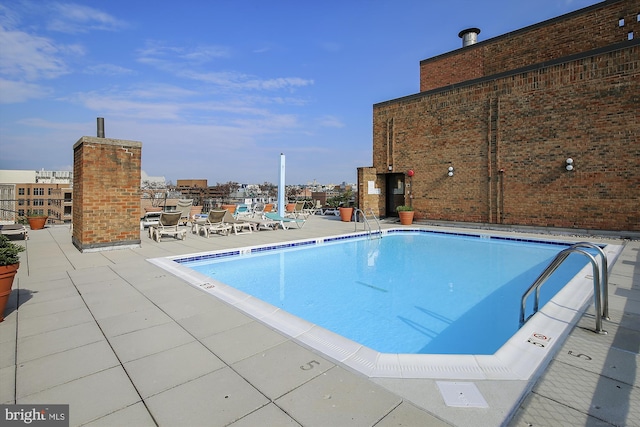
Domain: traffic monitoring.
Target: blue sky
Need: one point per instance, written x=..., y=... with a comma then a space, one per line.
x=218, y=89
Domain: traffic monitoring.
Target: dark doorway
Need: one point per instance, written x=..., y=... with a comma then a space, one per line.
x=395, y=193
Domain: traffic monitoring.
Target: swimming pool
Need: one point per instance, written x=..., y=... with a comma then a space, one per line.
x=431, y=325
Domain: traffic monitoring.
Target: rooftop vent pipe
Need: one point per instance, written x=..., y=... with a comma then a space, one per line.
x=469, y=36
x=100, y=127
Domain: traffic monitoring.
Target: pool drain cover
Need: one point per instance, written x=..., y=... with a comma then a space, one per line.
x=461, y=394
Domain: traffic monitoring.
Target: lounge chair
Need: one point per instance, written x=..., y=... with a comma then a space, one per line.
x=150, y=219
x=298, y=211
x=215, y=224
x=237, y=224
x=313, y=208
x=167, y=226
x=242, y=210
x=258, y=210
x=14, y=229
x=184, y=207
x=284, y=220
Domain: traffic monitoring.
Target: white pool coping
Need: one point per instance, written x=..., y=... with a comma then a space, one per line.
x=530, y=348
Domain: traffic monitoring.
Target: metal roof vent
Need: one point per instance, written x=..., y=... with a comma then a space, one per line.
x=469, y=36
x=100, y=127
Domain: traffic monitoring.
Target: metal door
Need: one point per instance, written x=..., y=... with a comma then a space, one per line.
x=394, y=193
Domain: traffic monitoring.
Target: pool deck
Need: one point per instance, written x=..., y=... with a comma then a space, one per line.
x=123, y=342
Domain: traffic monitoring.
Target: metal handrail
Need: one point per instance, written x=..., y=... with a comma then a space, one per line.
x=373, y=215
x=598, y=283
x=604, y=276
x=367, y=225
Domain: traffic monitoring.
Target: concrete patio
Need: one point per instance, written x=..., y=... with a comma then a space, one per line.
x=125, y=343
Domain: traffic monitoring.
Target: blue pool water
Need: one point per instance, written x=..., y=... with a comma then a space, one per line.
x=409, y=292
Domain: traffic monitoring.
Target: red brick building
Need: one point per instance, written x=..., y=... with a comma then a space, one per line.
x=536, y=127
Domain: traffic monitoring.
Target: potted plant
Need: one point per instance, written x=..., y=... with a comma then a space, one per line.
x=346, y=210
x=9, y=263
x=36, y=220
x=406, y=214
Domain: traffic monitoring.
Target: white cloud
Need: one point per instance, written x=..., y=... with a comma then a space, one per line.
x=240, y=81
x=74, y=18
x=331, y=122
x=160, y=54
x=108, y=70
x=12, y=91
x=30, y=57
x=183, y=63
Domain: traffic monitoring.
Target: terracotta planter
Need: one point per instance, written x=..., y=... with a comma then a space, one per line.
x=37, y=222
x=346, y=214
x=7, y=273
x=406, y=217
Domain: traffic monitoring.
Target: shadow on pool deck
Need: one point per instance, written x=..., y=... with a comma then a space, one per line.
x=123, y=342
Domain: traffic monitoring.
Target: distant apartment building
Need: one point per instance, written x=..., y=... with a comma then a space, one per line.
x=37, y=192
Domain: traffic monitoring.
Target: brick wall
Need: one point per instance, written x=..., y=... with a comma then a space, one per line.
x=590, y=28
x=106, y=193
x=370, y=199
x=525, y=124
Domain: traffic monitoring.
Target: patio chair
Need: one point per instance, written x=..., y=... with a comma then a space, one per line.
x=184, y=207
x=298, y=211
x=281, y=220
x=215, y=224
x=167, y=226
x=313, y=208
x=237, y=224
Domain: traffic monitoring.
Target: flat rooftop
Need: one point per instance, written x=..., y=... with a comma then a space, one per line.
x=123, y=342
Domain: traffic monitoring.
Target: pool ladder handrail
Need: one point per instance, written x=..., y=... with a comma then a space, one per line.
x=600, y=283
x=366, y=223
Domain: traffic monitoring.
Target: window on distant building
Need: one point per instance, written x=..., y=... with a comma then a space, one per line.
x=621, y=22
x=20, y=191
x=38, y=202
x=38, y=191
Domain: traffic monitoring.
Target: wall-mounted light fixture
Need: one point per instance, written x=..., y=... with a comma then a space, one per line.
x=450, y=173
x=390, y=168
x=569, y=163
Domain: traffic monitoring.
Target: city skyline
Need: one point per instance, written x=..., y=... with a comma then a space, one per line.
x=218, y=90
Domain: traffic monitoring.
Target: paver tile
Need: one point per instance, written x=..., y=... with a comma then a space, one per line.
x=59, y=368
x=269, y=415
x=135, y=415
x=601, y=397
x=90, y=397
x=169, y=368
x=141, y=343
x=243, y=341
x=51, y=322
x=216, y=399
x=338, y=398
x=282, y=368
x=142, y=318
x=36, y=346
x=408, y=415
